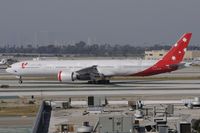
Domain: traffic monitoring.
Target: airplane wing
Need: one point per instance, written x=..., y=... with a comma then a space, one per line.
x=88, y=73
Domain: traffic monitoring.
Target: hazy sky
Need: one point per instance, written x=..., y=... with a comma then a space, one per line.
x=113, y=21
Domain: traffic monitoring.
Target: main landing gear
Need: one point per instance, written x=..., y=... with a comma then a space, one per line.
x=99, y=81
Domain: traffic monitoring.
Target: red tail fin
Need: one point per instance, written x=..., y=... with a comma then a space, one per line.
x=171, y=60
x=177, y=52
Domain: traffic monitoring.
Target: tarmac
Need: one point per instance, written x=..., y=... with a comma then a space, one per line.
x=163, y=84
x=189, y=86
x=139, y=87
x=181, y=84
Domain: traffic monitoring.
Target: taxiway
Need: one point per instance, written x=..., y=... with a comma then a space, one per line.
x=137, y=87
x=164, y=84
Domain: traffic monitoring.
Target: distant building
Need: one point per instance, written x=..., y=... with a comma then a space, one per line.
x=158, y=54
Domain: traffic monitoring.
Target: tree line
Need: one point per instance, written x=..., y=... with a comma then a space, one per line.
x=82, y=49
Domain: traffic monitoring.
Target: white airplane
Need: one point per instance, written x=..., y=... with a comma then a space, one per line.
x=100, y=71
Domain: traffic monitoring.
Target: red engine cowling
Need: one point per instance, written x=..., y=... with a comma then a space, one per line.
x=67, y=76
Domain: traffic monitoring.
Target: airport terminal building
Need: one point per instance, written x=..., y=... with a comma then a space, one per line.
x=157, y=54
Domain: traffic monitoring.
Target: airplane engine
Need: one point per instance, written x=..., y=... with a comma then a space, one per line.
x=71, y=76
x=66, y=76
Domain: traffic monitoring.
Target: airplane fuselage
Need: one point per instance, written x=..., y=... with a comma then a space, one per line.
x=106, y=67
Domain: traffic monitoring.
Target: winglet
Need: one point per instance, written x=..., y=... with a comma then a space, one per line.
x=177, y=52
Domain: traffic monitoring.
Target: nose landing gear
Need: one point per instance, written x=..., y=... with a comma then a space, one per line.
x=20, y=80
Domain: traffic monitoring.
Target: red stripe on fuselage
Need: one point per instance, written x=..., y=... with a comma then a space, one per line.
x=59, y=76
